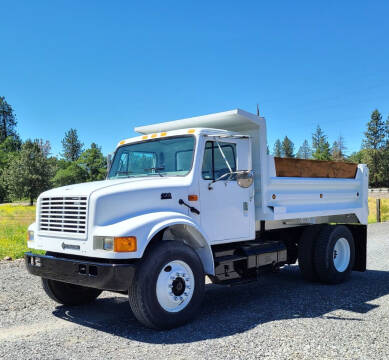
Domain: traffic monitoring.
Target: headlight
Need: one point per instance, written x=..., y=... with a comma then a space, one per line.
x=30, y=235
x=108, y=243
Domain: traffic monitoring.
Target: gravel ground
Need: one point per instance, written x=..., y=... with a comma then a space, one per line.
x=278, y=317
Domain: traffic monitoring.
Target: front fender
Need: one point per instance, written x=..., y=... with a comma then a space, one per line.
x=146, y=226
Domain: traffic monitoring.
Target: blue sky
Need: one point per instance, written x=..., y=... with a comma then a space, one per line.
x=103, y=67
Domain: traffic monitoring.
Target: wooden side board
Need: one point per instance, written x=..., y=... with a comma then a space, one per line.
x=290, y=167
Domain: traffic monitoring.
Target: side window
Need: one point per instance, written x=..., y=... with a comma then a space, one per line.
x=214, y=164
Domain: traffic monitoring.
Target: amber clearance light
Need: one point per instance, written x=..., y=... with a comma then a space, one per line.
x=125, y=244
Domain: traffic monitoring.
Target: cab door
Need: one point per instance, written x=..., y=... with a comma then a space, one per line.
x=227, y=210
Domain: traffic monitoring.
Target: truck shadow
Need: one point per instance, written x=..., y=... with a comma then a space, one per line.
x=231, y=310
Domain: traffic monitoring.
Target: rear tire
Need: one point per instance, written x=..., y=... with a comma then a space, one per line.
x=334, y=254
x=69, y=294
x=168, y=287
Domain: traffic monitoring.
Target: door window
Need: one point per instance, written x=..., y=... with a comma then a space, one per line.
x=214, y=164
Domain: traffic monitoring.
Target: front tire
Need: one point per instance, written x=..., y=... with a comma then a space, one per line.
x=334, y=254
x=168, y=287
x=69, y=294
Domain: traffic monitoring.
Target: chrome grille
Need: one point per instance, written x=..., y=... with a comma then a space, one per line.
x=63, y=214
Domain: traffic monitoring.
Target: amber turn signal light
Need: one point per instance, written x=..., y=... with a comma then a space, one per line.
x=125, y=244
x=193, y=197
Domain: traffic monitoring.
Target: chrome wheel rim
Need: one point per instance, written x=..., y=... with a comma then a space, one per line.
x=175, y=286
x=341, y=254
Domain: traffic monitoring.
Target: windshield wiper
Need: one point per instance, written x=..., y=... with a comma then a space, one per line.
x=157, y=169
x=124, y=173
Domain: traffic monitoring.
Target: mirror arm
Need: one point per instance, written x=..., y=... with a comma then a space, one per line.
x=218, y=179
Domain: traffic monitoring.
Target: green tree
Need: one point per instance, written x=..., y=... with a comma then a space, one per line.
x=338, y=149
x=28, y=173
x=287, y=148
x=320, y=145
x=72, y=174
x=94, y=163
x=8, y=149
x=375, y=133
x=374, y=143
x=385, y=156
x=305, y=151
x=7, y=120
x=72, y=146
x=358, y=157
x=277, y=149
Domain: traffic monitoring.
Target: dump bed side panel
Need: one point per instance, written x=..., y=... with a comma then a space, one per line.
x=298, y=197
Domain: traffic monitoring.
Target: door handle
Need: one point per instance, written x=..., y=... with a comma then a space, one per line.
x=191, y=208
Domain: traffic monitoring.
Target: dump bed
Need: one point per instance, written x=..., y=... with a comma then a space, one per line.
x=293, y=190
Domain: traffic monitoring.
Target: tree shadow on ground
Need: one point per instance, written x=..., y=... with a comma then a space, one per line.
x=230, y=310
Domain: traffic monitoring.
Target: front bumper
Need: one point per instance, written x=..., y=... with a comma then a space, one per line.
x=99, y=275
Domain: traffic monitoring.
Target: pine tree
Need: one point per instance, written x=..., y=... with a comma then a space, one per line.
x=277, y=149
x=287, y=148
x=305, y=151
x=72, y=146
x=376, y=131
x=385, y=156
x=374, y=143
x=320, y=145
x=7, y=120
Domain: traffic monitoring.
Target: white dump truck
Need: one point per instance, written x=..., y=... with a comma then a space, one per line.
x=196, y=197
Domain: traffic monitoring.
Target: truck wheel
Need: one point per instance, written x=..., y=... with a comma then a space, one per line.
x=168, y=287
x=69, y=294
x=334, y=254
x=306, y=252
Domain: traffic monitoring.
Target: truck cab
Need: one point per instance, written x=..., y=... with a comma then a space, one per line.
x=190, y=198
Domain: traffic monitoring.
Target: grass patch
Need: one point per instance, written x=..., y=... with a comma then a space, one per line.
x=14, y=221
x=373, y=210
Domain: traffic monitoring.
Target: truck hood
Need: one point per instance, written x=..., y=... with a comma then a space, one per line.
x=86, y=189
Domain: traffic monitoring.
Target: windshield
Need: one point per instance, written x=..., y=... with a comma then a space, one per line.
x=159, y=157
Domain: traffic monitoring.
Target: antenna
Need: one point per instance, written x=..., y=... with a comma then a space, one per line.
x=257, y=110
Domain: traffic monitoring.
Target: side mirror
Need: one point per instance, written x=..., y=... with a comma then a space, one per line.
x=245, y=178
